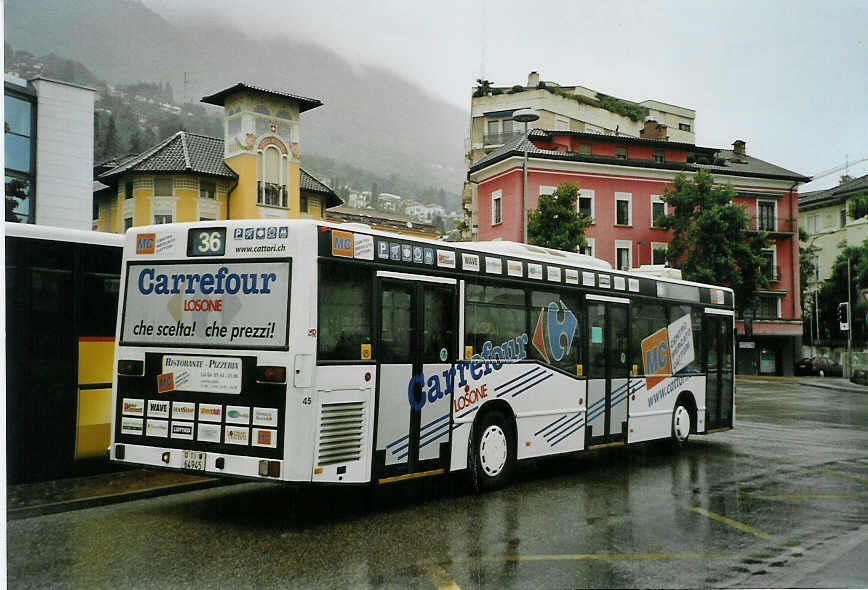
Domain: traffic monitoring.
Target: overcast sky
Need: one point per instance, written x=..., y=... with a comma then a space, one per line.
x=788, y=77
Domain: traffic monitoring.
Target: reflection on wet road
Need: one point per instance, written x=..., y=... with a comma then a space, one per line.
x=764, y=505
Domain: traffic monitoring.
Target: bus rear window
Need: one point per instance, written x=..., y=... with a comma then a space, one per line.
x=227, y=304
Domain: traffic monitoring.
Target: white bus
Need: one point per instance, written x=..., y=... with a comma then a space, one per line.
x=303, y=351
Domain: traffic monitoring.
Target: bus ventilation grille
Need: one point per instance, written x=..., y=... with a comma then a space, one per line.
x=340, y=432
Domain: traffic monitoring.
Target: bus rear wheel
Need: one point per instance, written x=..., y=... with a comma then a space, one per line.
x=493, y=452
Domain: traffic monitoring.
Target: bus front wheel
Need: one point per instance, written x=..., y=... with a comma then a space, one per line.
x=493, y=452
x=680, y=424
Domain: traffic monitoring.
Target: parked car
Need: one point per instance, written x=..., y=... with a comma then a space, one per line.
x=821, y=366
x=860, y=376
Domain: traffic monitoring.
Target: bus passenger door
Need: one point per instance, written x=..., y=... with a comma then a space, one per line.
x=417, y=346
x=608, y=369
x=719, y=371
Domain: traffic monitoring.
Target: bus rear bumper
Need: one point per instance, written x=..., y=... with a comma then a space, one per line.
x=191, y=461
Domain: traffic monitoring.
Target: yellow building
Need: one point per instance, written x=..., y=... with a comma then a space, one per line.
x=823, y=217
x=254, y=172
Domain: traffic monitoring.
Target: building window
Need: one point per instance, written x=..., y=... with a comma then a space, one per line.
x=843, y=217
x=658, y=252
x=562, y=124
x=207, y=189
x=496, y=207
x=770, y=270
x=585, y=202
x=623, y=209
x=658, y=156
x=623, y=254
x=159, y=219
x=812, y=224
x=128, y=223
x=163, y=187
x=585, y=149
x=272, y=190
x=128, y=190
x=621, y=153
x=589, y=248
x=509, y=126
x=493, y=127
x=684, y=126
x=658, y=210
x=766, y=215
x=19, y=146
x=767, y=306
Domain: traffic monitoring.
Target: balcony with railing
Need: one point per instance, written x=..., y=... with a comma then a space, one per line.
x=774, y=225
x=773, y=273
x=270, y=194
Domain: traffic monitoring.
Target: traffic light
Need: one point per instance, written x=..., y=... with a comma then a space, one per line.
x=842, y=316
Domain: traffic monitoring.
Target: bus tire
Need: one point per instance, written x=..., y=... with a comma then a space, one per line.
x=493, y=452
x=681, y=424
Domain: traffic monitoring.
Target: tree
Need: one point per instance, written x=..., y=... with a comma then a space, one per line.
x=858, y=207
x=111, y=142
x=17, y=191
x=556, y=223
x=710, y=238
x=834, y=291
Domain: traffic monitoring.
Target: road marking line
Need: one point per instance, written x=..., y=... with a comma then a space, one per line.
x=439, y=577
x=844, y=475
x=588, y=557
x=802, y=496
x=733, y=523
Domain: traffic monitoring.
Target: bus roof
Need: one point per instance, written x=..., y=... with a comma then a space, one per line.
x=61, y=234
x=503, y=248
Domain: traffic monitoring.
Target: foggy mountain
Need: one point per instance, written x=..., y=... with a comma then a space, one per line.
x=372, y=118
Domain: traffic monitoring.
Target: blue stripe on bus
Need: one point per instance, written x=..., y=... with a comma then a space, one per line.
x=502, y=385
x=439, y=436
x=534, y=384
x=393, y=443
x=554, y=433
x=517, y=385
x=470, y=411
x=550, y=425
x=567, y=435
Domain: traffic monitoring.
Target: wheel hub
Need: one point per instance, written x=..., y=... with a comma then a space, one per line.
x=681, y=424
x=492, y=450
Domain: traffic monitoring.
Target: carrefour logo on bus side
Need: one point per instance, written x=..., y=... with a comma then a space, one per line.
x=223, y=281
x=553, y=336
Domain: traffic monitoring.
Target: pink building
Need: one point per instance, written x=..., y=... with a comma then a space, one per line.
x=621, y=181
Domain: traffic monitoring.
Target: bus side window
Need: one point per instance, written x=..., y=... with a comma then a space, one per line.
x=344, y=312
x=493, y=313
x=559, y=317
x=647, y=318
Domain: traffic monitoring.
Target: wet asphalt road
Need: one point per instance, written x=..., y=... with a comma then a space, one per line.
x=778, y=502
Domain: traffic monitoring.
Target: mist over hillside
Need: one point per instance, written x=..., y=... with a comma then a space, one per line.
x=372, y=118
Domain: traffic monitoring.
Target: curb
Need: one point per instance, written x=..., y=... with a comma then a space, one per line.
x=95, y=501
x=833, y=387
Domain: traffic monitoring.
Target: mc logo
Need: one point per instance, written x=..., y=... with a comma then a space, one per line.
x=656, y=358
x=342, y=244
x=145, y=243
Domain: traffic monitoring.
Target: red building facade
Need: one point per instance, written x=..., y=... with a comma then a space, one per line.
x=621, y=182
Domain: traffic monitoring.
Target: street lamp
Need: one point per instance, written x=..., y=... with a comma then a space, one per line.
x=525, y=116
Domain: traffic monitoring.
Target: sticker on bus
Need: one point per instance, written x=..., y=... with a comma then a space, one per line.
x=131, y=426
x=203, y=373
x=237, y=435
x=208, y=433
x=134, y=407
x=263, y=437
x=159, y=428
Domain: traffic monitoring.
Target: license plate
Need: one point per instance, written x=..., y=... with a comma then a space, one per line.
x=194, y=460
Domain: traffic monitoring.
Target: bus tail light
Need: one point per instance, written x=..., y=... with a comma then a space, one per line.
x=271, y=374
x=136, y=368
x=269, y=468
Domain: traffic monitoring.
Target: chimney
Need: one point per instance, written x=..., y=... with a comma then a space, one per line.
x=738, y=147
x=653, y=129
x=533, y=79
